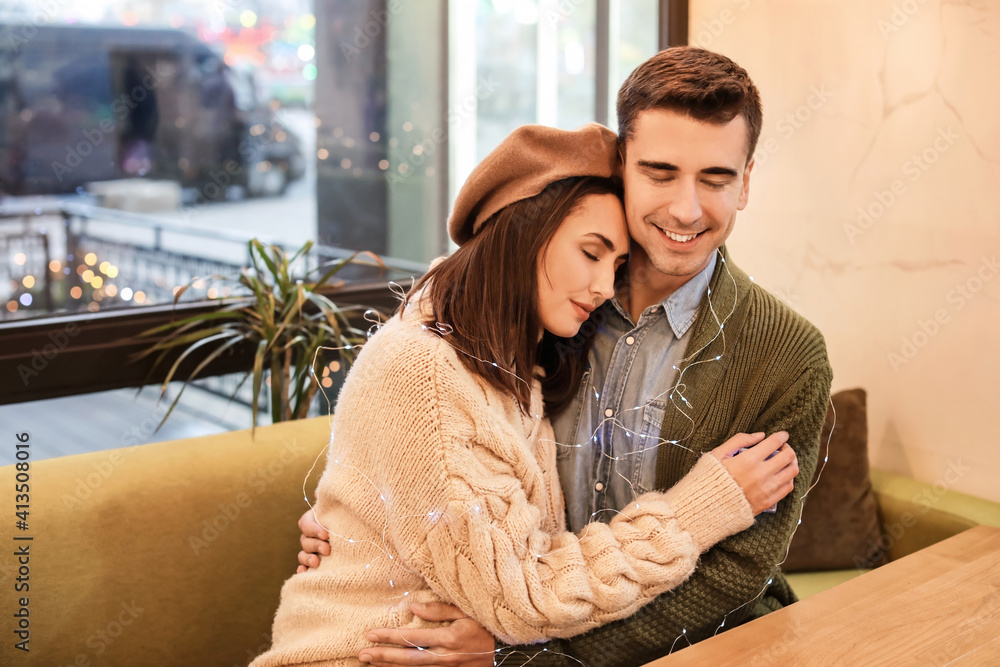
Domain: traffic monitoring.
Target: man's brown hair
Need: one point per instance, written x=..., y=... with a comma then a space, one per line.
x=484, y=296
x=704, y=85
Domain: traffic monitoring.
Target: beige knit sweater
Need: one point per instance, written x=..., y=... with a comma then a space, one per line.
x=437, y=487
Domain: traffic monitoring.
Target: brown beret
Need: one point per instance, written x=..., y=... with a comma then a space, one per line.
x=529, y=159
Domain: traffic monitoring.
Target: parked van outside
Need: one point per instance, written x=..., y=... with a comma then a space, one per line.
x=86, y=104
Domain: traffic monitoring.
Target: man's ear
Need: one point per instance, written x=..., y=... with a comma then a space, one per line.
x=745, y=186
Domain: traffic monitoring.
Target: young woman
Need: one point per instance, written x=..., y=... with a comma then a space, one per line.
x=440, y=483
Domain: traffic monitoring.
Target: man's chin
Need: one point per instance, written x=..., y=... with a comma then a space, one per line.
x=669, y=264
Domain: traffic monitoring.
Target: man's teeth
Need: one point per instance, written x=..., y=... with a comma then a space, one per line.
x=678, y=237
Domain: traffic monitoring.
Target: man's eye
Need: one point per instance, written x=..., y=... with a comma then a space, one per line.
x=716, y=186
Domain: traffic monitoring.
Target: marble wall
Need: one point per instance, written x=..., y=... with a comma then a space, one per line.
x=874, y=208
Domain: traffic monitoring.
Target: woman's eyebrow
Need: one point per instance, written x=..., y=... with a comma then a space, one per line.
x=608, y=243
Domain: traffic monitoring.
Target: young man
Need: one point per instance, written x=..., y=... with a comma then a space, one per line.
x=688, y=353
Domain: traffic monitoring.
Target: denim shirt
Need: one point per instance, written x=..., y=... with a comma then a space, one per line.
x=608, y=438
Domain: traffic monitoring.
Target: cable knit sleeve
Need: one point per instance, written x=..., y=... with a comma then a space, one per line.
x=464, y=513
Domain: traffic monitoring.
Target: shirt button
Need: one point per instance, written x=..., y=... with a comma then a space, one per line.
x=609, y=412
x=630, y=340
x=599, y=486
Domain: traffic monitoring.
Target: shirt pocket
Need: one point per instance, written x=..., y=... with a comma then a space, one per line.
x=648, y=447
x=564, y=449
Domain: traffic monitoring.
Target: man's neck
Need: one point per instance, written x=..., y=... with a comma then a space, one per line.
x=646, y=285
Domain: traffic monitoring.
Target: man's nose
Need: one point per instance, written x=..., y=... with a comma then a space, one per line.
x=686, y=205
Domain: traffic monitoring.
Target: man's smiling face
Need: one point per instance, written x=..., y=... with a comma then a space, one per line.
x=685, y=180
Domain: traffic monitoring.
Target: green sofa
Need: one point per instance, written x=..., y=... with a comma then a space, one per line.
x=174, y=553
x=912, y=515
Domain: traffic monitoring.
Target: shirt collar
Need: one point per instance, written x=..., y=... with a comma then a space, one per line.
x=681, y=306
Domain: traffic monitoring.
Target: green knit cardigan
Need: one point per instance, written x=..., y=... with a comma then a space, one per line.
x=772, y=374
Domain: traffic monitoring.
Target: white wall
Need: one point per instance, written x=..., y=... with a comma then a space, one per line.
x=890, y=107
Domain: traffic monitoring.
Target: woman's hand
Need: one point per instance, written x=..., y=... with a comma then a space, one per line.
x=314, y=540
x=765, y=471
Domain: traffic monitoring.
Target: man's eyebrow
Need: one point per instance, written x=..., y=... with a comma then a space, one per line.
x=666, y=166
x=653, y=164
x=608, y=243
x=719, y=171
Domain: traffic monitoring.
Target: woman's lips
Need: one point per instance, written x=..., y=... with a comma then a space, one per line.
x=581, y=310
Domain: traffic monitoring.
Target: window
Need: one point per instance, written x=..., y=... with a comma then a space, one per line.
x=142, y=144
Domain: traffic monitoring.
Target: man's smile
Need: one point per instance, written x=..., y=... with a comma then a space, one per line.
x=679, y=238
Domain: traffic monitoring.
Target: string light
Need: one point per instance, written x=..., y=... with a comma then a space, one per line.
x=676, y=394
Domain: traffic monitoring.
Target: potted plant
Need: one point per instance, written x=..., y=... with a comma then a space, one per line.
x=285, y=318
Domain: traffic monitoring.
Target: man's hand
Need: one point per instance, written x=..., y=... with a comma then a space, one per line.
x=315, y=541
x=464, y=642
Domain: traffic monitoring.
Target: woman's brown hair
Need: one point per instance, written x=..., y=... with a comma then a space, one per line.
x=486, y=295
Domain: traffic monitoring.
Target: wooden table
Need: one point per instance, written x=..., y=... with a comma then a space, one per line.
x=938, y=606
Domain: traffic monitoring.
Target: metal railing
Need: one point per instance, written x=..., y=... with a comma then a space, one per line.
x=74, y=268
x=142, y=257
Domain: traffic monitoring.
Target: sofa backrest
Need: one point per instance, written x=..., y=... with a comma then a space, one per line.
x=166, y=554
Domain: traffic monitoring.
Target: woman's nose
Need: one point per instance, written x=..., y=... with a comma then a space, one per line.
x=604, y=282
